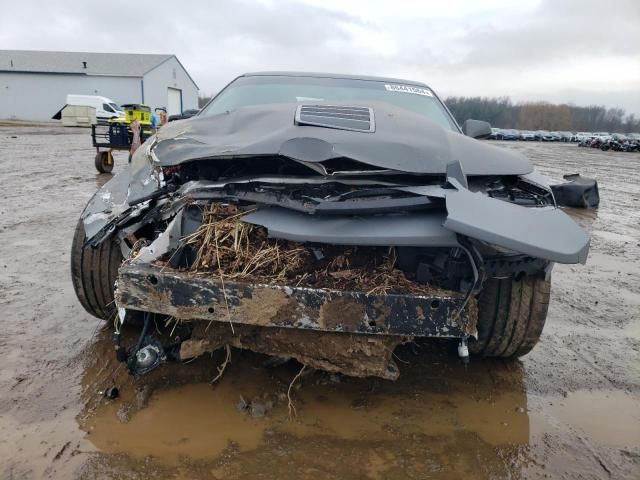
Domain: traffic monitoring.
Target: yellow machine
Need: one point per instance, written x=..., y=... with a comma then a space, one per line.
x=135, y=111
x=117, y=134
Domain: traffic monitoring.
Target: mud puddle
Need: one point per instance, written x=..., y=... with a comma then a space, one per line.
x=439, y=417
x=200, y=420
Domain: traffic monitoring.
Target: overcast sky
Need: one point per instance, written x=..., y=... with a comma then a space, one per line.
x=580, y=51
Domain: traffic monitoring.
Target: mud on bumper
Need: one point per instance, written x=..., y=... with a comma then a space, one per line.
x=193, y=297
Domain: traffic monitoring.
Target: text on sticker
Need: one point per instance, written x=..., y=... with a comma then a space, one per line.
x=408, y=89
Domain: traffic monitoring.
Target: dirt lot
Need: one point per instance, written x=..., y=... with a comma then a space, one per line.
x=570, y=409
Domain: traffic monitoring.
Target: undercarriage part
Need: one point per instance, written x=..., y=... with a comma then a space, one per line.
x=190, y=296
x=463, y=350
x=148, y=352
x=511, y=316
x=578, y=191
x=520, y=191
x=147, y=357
x=354, y=355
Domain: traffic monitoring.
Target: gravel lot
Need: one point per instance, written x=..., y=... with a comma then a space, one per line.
x=570, y=409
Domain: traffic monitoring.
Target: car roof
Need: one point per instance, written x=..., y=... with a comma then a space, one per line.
x=335, y=75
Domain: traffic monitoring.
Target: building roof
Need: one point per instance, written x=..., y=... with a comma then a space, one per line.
x=115, y=64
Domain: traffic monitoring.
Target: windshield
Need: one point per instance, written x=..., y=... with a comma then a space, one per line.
x=263, y=89
x=115, y=107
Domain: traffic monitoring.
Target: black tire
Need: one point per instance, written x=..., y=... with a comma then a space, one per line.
x=104, y=162
x=511, y=316
x=94, y=272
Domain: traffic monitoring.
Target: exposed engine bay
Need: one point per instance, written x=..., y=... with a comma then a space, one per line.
x=371, y=237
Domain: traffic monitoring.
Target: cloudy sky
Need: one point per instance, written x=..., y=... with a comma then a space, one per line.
x=580, y=51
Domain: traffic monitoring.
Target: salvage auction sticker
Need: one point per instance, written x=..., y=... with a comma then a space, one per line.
x=408, y=89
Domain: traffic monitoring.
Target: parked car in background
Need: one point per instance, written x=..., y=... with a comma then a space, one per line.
x=583, y=136
x=555, y=136
x=494, y=132
x=620, y=137
x=527, y=135
x=566, y=136
x=603, y=136
x=543, y=136
x=509, y=134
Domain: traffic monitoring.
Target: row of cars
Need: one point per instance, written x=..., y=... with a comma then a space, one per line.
x=617, y=142
x=547, y=136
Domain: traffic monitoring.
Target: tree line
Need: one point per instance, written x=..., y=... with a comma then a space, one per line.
x=502, y=113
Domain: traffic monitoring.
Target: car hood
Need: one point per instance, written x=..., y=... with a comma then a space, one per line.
x=402, y=141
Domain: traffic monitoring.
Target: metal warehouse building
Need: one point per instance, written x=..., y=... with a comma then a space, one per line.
x=34, y=84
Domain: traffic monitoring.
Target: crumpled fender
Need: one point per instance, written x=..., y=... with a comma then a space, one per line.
x=114, y=198
x=542, y=232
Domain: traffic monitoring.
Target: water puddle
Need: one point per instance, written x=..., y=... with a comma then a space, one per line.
x=200, y=421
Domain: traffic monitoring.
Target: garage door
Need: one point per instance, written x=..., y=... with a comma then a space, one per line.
x=174, y=101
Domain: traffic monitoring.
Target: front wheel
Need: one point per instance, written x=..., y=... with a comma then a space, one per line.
x=511, y=316
x=94, y=272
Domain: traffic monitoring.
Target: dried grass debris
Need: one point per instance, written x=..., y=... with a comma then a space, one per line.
x=239, y=251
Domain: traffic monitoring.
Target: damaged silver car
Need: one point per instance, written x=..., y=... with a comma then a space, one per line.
x=327, y=218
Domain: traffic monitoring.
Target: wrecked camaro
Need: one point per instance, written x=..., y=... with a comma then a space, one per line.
x=326, y=218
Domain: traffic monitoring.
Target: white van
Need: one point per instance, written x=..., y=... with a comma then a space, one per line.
x=105, y=107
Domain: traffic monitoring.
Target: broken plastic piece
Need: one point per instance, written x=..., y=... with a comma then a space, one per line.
x=579, y=192
x=532, y=231
x=399, y=230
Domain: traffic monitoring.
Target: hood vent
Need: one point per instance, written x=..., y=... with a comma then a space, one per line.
x=356, y=119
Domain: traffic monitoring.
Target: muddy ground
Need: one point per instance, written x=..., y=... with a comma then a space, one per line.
x=570, y=409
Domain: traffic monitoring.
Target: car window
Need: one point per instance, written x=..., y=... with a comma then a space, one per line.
x=264, y=89
x=115, y=107
x=107, y=108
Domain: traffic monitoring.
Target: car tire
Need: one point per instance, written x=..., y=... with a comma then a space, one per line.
x=94, y=272
x=511, y=316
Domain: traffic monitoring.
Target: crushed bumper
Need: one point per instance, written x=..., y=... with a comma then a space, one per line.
x=188, y=296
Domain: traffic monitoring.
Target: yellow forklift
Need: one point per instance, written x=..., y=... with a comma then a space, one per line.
x=116, y=134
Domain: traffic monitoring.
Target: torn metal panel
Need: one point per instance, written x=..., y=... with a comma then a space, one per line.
x=542, y=232
x=411, y=230
x=107, y=203
x=114, y=198
x=195, y=186
x=539, y=180
x=190, y=296
x=166, y=241
x=403, y=141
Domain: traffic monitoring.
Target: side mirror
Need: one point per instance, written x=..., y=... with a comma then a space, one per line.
x=476, y=129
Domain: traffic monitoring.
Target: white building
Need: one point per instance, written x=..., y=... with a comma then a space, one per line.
x=34, y=84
